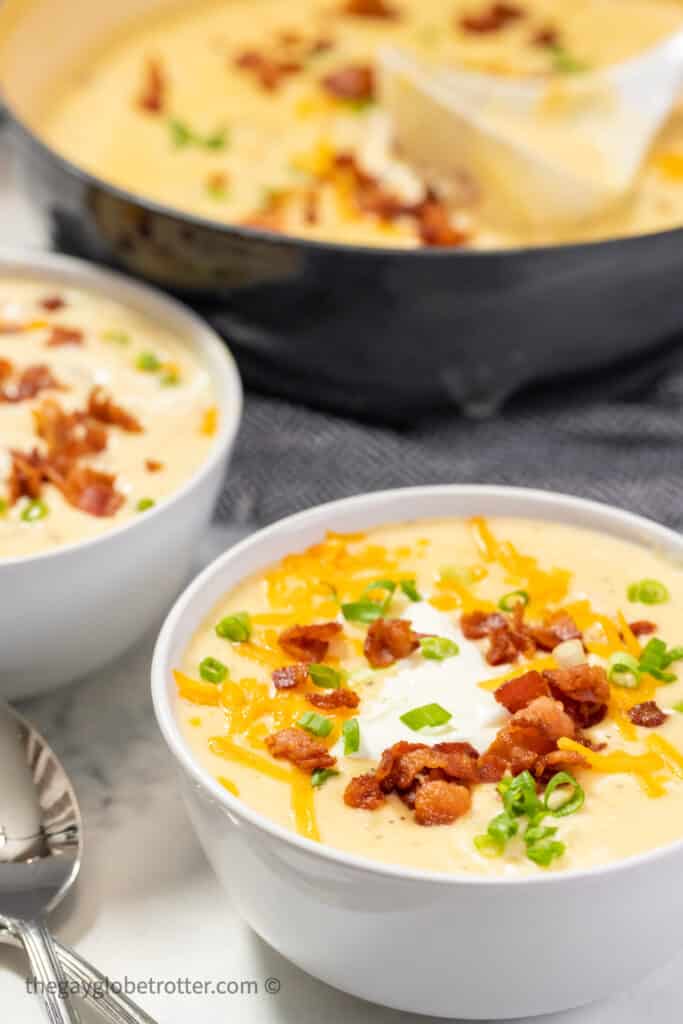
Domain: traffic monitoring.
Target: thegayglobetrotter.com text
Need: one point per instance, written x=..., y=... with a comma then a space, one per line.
x=155, y=986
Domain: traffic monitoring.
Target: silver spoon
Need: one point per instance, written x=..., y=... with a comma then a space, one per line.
x=41, y=844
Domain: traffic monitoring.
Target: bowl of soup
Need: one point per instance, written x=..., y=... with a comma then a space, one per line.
x=118, y=410
x=286, y=211
x=452, y=712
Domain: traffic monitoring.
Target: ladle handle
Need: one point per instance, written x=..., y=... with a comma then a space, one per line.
x=52, y=985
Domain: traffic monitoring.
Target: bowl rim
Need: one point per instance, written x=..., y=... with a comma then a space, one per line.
x=248, y=233
x=153, y=303
x=235, y=808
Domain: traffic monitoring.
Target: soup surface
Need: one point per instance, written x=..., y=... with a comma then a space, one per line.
x=103, y=412
x=443, y=659
x=267, y=114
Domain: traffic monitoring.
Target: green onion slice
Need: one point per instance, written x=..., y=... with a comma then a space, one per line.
x=120, y=337
x=624, y=670
x=655, y=659
x=365, y=612
x=545, y=851
x=520, y=796
x=148, y=362
x=351, y=734
x=34, y=510
x=144, y=504
x=427, y=716
x=235, y=627
x=679, y=707
x=438, y=648
x=488, y=846
x=376, y=586
x=4, y=507
x=213, y=670
x=569, y=801
x=321, y=775
x=648, y=592
x=509, y=601
x=409, y=588
x=315, y=723
x=535, y=833
x=502, y=827
x=324, y=676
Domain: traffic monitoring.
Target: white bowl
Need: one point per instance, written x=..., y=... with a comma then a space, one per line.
x=66, y=612
x=426, y=942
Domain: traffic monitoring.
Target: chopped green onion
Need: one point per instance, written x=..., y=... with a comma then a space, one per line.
x=362, y=611
x=570, y=802
x=213, y=670
x=438, y=648
x=144, y=504
x=324, y=676
x=520, y=796
x=148, y=362
x=545, y=851
x=488, y=846
x=509, y=602
x=170, y=379
x=235, y=627
x=316, y=724
x=565, y=62
x=679, y=707
x=4, y=507
x=351, y=734
x=217, y=139
x=409, y=588
x=502, y=827
x=34, y=510
x=181, y=135
x=535, y=833
x=655, y=659
x=648, y=592
x=624, y=670
x=427, y=716
x=120, y=337
x=387, y=585
x=321, y=775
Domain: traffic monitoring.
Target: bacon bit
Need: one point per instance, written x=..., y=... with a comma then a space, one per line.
x=311, y=204
x=491, y=768
x=546, y=36
x=290, y=676
x=269, y=72
x=103, y=408
x=65, y=336
x=270, y=217
x=642, y=627
x=518, y=693
x=532, y=732
x=493, y=19
x=558, y=760
x=434, y=224
x=91, y=491
x=52, y=303
x=300, y=748
x=584, y=691
x=309, y=643
x=476, y=625
x=31, y=382
x=441, y=803
x=364, y=793
x=388, y=640
x=153, y=465
x=340, y=698
x=353, y=82
x=389, y=761
x=555, y=630
x=152, y=97
x=6, y=369
x=647, y=714
x=68, y=435
x=369, y=9
x=26, y=475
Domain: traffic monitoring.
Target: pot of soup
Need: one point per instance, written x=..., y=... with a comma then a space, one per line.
x=245, y=156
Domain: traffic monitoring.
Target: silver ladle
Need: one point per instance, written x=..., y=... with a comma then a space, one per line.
x=41, y=844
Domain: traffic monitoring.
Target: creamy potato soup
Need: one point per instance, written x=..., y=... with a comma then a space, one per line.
x=268, y=114
x=103, y=412
x=495, y=698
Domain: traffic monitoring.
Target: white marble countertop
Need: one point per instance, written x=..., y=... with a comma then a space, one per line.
x=147, y=904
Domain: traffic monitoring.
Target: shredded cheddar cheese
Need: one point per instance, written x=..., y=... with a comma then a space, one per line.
x=647, y=768
x=197, y=691
x=209, y=424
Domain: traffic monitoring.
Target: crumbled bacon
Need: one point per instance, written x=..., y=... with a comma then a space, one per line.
x=389, y=640
x=369, y=9
x=364, y=793
x=353, y=82
x=558, y=760
x=103, y=408
x=91, y=491
x=30, y=383
x=476, y=625
x=311, y=205
x=268, y=71
x=647, y=714
x=389, y=762
x=517, y=693
x=548, y=35
x=270, y=216
x=302, y=749
x=584, y=691
x=441, y=803
x=68, y=435
x=530, y=733
x=152, y=97
x=6, y=369
x=496, y=17
x=434, y=224
x=491, y=768
x=52, y=303
x=60, y=335
x=289, y=676
x=341, y=698
x=642, y=627
x=26, y=475
x=555, y=630
x=153, y=465
x=309, y=643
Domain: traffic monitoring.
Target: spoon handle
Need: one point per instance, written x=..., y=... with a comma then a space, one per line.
x=52, y=986
x=98, y=991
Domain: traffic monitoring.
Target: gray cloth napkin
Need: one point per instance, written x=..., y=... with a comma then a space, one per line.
x=616, y=438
